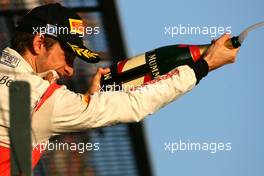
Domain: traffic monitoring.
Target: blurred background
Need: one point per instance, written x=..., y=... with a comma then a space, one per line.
x=226, y=107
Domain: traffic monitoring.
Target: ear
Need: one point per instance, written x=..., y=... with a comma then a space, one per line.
x=38, y=42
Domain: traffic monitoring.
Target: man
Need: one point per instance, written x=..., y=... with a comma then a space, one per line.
x=41, y=57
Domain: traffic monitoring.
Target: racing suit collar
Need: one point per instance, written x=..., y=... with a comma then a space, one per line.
x=13, y=59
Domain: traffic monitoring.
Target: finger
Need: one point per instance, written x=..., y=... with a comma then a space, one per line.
x=105, y=70
x=98, y=75
x=235, y=51
x=213, y=41
x=221, y=40
x=52, y=76
x=49, y=77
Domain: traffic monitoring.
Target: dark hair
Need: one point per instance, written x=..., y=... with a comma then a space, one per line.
x=23, y=41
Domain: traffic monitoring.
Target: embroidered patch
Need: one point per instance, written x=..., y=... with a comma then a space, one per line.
x=51, y=30
x=76, y=26
x=9, y=60
x=83, y=52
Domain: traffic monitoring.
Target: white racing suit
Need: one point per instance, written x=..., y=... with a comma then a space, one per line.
x=55, y=109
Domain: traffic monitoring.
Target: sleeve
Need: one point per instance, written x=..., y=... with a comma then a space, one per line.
x=72, y=113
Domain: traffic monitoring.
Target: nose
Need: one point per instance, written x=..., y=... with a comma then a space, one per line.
x=68, y=70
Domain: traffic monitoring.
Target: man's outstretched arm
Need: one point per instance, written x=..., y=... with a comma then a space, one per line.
x=107, y=108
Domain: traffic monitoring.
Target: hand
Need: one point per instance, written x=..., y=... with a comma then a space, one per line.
x=96, y=80
x=51, y=76
x=219, y=55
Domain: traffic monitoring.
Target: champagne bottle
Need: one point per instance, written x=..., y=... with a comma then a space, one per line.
x=142, y=68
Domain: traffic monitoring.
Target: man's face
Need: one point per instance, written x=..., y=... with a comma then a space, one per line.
x=55, y=59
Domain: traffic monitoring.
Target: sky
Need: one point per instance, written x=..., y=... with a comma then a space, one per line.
x=225, y=111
